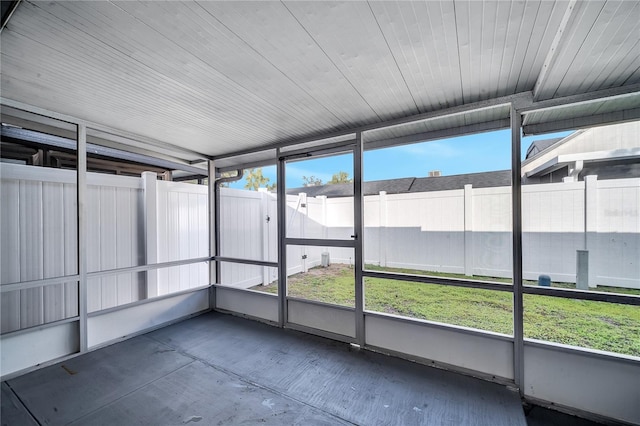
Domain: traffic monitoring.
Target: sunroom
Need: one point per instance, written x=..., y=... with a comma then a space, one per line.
x=234, y=212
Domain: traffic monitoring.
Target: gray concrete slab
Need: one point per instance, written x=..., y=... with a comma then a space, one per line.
x=200, y=393
x=64, y=392
x=219, y=369
x=13, y=412
x=362, y=387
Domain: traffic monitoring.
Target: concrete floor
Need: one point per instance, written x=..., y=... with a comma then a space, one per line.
x=217, y=369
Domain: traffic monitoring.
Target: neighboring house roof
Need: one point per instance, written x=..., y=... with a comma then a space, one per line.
x=539, y=146
x=408, y=185
x=477, y=180
x=602, y=147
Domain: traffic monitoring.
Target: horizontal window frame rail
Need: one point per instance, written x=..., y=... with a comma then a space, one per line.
x=243, y=290
x=145, y=301
x=144, y=268
x=25, y=285
x=318, y=242
x=427, y=279
x=596, y=296
x=39, y=327
x=245, y=261
x=45, y=282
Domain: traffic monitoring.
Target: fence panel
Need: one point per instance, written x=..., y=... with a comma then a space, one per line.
x=617, y=260
x=38, y=240
x=183, y=233
x=469, y=230
x=553, y=226
x=115, y=229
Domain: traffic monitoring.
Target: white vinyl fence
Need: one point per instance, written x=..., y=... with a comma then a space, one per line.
x=465, y=231
x=133, y=221
x=130, y=222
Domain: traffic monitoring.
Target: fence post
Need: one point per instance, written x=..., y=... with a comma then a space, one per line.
x=325, y=232
x=382, y=246
x=264, y=226
x=302, y=202
x=150, y=185
x=468, y=230
x=591, y=225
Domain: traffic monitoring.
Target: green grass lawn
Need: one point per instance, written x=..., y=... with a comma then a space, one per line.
x=596, y=325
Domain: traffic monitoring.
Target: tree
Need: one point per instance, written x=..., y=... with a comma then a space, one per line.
x=225, y=175
x=254, y=180
x=311, y=181
x=340, y=177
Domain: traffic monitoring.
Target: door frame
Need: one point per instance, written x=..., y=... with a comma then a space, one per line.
x=354, y=147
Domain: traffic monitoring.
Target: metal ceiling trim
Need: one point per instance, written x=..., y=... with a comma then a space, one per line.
x=519, y=98
x=529, y=106
x=488, y=126
x=10, y=9
x=249, y=165
x=96, y=126
x=587, y=121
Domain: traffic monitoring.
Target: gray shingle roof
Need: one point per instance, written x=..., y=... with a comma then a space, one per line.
x=405, y=185
x=538, y=146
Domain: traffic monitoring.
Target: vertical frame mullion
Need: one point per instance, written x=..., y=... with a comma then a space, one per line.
x=214, y=234
x=81, y=149
x=282, y=248
x=358, y=222
x=516, y=210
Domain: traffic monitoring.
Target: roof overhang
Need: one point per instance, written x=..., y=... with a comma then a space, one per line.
x=615, y=156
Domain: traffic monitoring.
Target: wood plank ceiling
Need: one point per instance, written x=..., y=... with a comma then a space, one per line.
x=218, y=77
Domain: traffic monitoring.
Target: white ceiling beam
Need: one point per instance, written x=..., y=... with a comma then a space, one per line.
x=554, y=49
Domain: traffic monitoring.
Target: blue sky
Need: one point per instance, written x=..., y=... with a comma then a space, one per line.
x=465, y=154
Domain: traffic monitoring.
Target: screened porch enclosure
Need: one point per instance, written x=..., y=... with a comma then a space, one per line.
x=398, y=185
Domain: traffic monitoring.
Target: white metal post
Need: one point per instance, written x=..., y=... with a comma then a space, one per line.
x=150, y=184
x=264, y=228
x=591, y=225
x=468, y=230
x=382, y=244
